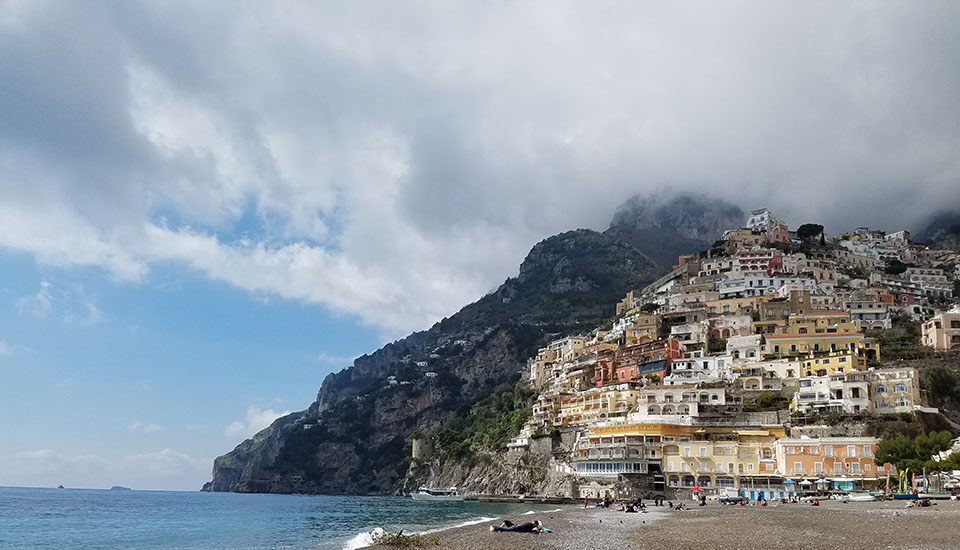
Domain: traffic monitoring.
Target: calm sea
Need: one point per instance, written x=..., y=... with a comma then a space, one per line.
x=74, y=519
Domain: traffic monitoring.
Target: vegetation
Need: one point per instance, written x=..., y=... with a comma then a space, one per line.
x=916, y=452
x=895, y=267
x=487, y=425
x=810, y=231
x=399, y=539
x=767, y=401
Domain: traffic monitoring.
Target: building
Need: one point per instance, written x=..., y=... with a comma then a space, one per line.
x=832, y=362
x=868, y=313
x=894, y=390
x=672, y=404
x=650, y=359
x=597, y=405
x=843, y=462
x=942, y=333
x=712, y=368
x=842, y=393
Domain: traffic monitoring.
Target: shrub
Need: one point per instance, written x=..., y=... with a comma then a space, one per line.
x=399, y=539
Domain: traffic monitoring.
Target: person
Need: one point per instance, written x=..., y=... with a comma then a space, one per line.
x=816, y=502
x=509, y=527
x=586, y=501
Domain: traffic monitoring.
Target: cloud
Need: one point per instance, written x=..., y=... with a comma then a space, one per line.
x=5, y=349
x=255, y=421
x=335, y=360
x=137, y=426
x=393, y=168
x=39, y=304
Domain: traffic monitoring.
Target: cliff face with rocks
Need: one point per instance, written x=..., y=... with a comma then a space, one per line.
x=352, y=438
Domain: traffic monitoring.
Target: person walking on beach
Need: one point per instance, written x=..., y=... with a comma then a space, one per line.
x=586, y=502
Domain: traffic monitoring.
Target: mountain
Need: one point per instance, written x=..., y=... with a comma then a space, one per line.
x=664, y=225
x=352, y=438
x=943, y=232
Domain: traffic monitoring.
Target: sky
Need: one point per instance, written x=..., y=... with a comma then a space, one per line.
x=206, y=207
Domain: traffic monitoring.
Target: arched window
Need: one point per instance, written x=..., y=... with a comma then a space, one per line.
x=880, y=389
x=674, y=481
x=900, y=387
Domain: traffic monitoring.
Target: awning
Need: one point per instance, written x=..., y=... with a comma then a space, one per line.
x=789, y=481
x=806, y=482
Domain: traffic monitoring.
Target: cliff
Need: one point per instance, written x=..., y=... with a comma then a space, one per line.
x=352, y=438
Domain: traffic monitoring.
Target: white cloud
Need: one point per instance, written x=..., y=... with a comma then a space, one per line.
x=5, y=349
x=137, y=426
x=39, y=304
x=395, y=167
x=255, y=421
x=328, y=360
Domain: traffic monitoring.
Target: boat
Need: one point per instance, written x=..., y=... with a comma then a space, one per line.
x=448, y=494
x=860, y=497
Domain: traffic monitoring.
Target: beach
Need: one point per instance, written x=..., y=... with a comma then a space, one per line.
x=833, y=525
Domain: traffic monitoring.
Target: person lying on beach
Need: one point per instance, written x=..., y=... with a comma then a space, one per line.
x=509, y=527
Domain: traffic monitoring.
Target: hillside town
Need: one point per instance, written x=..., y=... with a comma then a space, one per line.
x=751, y=367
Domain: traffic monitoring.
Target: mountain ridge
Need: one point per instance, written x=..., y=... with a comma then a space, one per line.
x=351, y=438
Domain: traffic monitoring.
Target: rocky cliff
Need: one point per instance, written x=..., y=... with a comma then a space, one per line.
x=352, y=438
x=943, y=232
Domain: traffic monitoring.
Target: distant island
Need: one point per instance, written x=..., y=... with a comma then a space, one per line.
x=119, y=488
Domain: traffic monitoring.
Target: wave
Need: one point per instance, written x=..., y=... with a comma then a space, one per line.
x=365, y=539
x=532, y=512
x=362, y=539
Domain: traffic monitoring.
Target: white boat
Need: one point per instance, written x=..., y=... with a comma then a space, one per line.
x=448, y=494
x=860, y=497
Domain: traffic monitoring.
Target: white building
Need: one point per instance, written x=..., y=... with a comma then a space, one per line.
x=711, y=368
x=837, y=393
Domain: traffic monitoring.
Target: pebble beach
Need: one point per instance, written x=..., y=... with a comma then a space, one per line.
x=833, y=525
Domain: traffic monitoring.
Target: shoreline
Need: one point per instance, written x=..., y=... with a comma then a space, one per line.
x=833, y=525
x=573, y=527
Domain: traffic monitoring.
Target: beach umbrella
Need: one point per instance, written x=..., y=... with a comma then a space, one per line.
x=696, y=489
x=789, y=482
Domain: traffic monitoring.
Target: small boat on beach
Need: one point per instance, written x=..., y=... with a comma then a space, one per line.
x=860, y=497
x=447, y=494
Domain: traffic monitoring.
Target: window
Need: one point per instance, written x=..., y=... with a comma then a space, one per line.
x=798, y=467
x=900, y=387
x=854, y=467
x=880, y=389
x=703, y=451
x=851, y=450
x=828, y=450
x=818, y=467
x=686, y=451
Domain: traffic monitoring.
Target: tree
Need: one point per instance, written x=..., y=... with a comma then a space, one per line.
x=649, y=307
x=895, y=267
x=912, y=452
x=809, y=231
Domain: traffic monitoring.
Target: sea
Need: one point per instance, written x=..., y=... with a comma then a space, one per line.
x=80, y=519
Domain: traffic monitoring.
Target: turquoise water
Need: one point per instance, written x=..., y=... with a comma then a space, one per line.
x=86, y=519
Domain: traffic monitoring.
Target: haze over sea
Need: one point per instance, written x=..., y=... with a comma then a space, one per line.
x=78, y=519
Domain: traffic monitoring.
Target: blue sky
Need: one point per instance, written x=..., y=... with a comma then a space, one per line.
x=205, y=207
x=95, y=368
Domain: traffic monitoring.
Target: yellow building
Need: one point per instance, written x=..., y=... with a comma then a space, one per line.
x=599, y=405
x=823, y=322
x=642, y=329
x=831, y=363
x=686, y=455
x=795, y=345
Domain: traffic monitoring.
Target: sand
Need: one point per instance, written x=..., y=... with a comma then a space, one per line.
x=852, y=526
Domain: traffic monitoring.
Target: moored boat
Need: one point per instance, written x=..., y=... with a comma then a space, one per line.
x=447, y=494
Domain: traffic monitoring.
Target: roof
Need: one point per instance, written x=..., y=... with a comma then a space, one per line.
x=813, y=335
